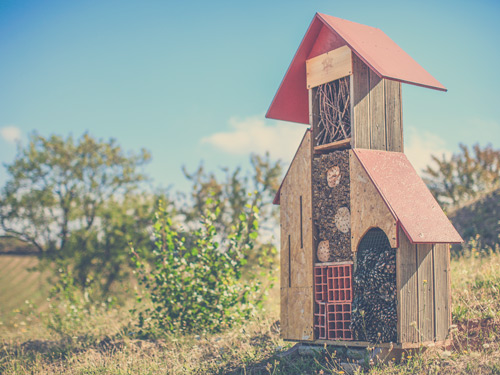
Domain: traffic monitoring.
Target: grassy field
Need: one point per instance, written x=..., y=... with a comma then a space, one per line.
x=103, y=342
x=18, y=284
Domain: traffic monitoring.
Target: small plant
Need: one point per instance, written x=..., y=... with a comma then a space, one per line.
x=71, y=309
x=196, y=285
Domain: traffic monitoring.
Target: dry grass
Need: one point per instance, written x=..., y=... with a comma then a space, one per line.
x=106, y=346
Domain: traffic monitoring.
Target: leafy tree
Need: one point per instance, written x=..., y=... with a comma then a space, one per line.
x=233, y=192
x=196, y=286
x=77, y=202
x=465, y=175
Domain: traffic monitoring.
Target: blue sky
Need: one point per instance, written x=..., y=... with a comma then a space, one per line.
x=191, y=81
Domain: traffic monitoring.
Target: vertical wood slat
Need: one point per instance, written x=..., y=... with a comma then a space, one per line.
x=300, y=314
x=300, y=186
x=284, y=262
x=393, y=118
x=376, y=120
x=313, y=115
x=442, y=290
x=360, y=127
x=425, y=290
x=377, y=105
x=296, y=253
x=284, y=333
x=406, y=282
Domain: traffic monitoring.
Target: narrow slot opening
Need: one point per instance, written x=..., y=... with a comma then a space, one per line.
x=289, y=264
x=301, y=225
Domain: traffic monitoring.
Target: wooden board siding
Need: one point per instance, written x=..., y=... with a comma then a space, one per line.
x=368, y=209
x=296, y=247
x=423, y=284
x=393, y=115
x=442, y=287
x=406, y=283
x=425, y=287
x=377, y=113
x=328, y=67
x=360, y=96
x=376, y=120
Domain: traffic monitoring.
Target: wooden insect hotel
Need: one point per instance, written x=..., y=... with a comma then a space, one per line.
x=364, y=246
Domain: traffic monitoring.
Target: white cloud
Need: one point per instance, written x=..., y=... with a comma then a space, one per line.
x=11, y=134
x=254, y=134
x=421, y=145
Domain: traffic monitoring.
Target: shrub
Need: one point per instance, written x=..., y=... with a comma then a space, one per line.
x=196, y=286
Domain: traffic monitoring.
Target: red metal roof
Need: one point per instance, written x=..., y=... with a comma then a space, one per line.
x=406, y=195
x=370, y=44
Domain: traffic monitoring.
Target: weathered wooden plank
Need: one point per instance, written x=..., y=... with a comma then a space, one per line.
x=284, y=238
x=425, y=292
x=406, y=281
x=393, y=123
x=328, y=66
x=301, y=256
x=313, y=115
x=377, y=112
x=284, y=312
x=360, y=128
x=333, y=146
x=370, y=211
x=296, y=246
x=300, y=309
x=442, y=290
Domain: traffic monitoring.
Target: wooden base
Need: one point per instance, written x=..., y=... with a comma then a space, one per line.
x=362, y=344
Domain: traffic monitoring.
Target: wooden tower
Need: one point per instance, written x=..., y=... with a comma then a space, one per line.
x=364, y=245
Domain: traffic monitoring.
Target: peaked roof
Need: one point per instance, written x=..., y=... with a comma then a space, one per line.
x=407, y=197
x=370, y=44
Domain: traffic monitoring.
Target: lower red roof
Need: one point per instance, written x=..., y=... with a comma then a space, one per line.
x=407, y=196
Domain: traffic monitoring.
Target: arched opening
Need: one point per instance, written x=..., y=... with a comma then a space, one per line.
x=374, y=309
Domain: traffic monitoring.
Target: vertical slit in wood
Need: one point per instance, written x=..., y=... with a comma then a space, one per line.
x=434, y=292
x=289, y=264
x=386, y=125
x=351, y=109
x=417, y=325
x=401, y=117
x=369, y=115
x=301, y=225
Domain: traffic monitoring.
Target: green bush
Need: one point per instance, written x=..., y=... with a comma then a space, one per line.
x=196, y=285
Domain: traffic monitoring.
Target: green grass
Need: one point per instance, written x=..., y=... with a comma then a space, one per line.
x=103, y=343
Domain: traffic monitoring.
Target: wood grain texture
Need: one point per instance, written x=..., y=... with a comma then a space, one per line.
x=328, y=66
x=284, y=312
x=284, y=260
x=377, y=113
x=360, y=126
x=300, y=311
x=333, y=146
x=368, y=209
x=296, y=246
x=425, y=287
x=406, y=280
x=393, y=116
x=442, y=291
x=285, y=232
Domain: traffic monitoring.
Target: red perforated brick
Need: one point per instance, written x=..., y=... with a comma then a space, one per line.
x=320, y=321
x=338, y=321
x=339, y=283
x=320, y=284
x=333, y=283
